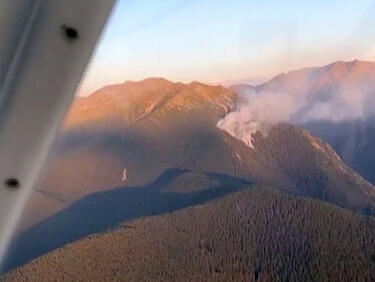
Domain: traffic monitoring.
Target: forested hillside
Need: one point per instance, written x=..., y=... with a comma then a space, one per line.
x=335, y=102
x=253, y=235
x=150, y=156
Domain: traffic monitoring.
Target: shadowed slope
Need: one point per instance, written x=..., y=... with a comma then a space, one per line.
x=100, y=211
x=155, y=124
x=354, y=141
x=254, y=234
x=335, y=102
x=177, y=131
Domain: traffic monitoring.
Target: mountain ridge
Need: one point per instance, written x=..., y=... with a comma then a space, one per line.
x=343, y=65
x=255, y=234
x=335, y=102
x=127, y=136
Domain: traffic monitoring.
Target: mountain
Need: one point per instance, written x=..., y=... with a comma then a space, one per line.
x=354, y=140
x=153, y=125
x=255, y=234
x=335, y=102
x=148, y=148
x=313, y=80
x=243, y=89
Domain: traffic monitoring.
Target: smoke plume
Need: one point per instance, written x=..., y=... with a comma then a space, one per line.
x=257, y=112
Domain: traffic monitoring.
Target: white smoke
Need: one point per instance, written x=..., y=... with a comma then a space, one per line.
x=124, y=175
x=340, y=92
x=336, y=106
x=260, y=111
x=257, y=112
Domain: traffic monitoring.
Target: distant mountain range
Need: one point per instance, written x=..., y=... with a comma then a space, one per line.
x=335, y=102
x=148, y=158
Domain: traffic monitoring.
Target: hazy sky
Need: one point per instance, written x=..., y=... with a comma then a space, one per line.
x=225, y=40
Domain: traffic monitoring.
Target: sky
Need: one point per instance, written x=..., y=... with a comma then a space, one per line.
x=227, y=41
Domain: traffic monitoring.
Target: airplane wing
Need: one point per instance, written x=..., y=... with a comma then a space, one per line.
x=45, y=48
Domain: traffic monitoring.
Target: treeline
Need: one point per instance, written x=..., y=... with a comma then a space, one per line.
x=314, y=169
x=253, y=235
